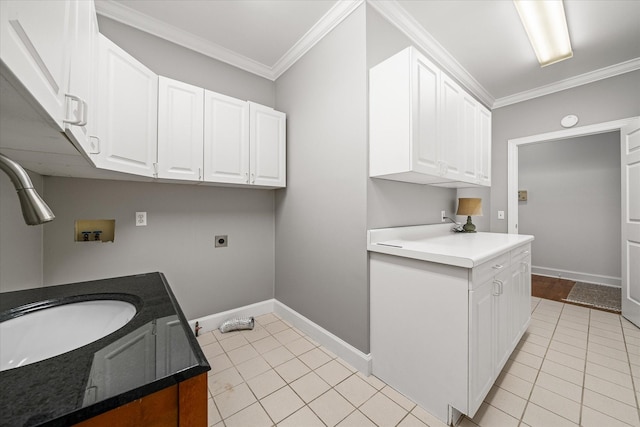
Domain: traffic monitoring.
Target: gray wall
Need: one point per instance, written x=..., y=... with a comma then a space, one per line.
x=174, y=61
x=606, y=100
x=178, y=240
x=321, y=256
x=20, y=244
x=391, y=203
x=573, y=205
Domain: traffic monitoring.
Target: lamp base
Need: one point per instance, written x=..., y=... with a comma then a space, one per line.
x=469, y=227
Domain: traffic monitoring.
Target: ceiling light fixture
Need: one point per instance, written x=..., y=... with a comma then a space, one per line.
x=546, y=26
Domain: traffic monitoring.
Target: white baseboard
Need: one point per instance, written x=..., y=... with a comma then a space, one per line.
x=577, y=276
x=344, y=350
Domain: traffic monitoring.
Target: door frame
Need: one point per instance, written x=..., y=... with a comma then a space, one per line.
x=512, y=158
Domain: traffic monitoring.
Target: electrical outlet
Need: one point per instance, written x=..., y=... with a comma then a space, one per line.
x=442, y=215
x=221, y=241
x=500, y=214
x=141, y=219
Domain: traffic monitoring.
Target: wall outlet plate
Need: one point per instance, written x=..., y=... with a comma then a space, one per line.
x=221, y=241
x=141, y=219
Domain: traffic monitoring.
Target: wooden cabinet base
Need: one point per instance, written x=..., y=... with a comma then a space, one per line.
x=182, y=405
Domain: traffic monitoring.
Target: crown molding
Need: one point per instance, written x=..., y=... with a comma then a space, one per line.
x=406, y=23
x=582, y=79
x=338, y=13
x=140, y=21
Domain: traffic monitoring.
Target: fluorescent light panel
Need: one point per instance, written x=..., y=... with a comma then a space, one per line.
x=546, y=26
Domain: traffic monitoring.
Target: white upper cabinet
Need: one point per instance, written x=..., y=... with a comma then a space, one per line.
x=128, y=113
x=267, y=146
x=423, y=127
x=226, y=139
x=180, y=130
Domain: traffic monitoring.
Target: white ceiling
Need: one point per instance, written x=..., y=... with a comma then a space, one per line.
x=481, y=43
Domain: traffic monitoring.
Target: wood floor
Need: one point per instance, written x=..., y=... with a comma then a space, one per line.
x=557, y=289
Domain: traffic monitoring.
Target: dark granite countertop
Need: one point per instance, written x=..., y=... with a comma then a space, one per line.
x=89, y=381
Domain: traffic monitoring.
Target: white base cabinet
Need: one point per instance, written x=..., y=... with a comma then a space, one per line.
x=441, y=334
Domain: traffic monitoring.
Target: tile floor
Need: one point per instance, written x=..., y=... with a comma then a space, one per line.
x=573, y=367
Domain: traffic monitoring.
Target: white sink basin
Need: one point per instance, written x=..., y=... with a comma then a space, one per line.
x=52, y=331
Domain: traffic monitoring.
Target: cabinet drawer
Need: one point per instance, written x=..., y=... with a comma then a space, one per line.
x=520, y=253
x=489, y=269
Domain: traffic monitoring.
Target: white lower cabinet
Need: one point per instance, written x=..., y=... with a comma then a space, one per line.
x=128, y=113
x=441, y=334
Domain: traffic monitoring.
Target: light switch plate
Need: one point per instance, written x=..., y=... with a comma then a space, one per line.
x=500, y=214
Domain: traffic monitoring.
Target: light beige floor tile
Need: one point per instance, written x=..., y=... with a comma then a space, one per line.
x=515, y=385
x=374, y=381
x=581, y=327
x=520, y=370
x=399, y=398
x=578, y=352
x=333, y=372
x=257, y=333
x=606, y=334
x=541, y=324
x=265, y=319
x=559, y=386
x=266, y=344
x=223, y=381
x=212, y=350
x=631, y=340
x=300, y=346
x=614, y=391
x=219, y=363
x=346, y=365
x=565, y=359
x=466, y=422
x=543, y=332
x=277, y=326
x=292, y=370
x=594, y=324
x=315, y=358
x=528, y=359
x=608, y=351
x=253, y=367
x=611, y=407
x=561, y=371
x=575, y=317
x=535, y=416
x=309, y=386
x=411, y=421
x=609, y=374
x=535, y=339
x=251, y=416
x=593, y=418
x=233, y=342
x=611, y=363
x=213, y=416
x=546, y=318
x=633, y=349
x=302, y=417
x=535, y=349
x=286, y=336
x=265, y=384
x=205, y=338
x=242, y=354
x=234, y=400
x=220, y=336
x=355, y=390
x=506, y=401
x=383, y=411
x=570, y=340
x=613, y=343
x=331, y=407
x=356, y=419
x=277, y=356
x=488, y=416
x=329, y=353
x=282, y=403
x=583, y=335
x=427, y=418
x=556, y=403
x=603, y=316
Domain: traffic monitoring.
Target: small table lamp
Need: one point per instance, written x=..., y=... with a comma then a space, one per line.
x=470, y=207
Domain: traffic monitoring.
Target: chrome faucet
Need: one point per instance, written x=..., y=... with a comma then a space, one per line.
x=34, y=210
x=458, y=226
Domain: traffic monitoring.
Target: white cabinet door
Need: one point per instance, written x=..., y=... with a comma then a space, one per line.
x=83, y=79
x=449, y=145
x=180, y=130
x=483, y=147
x=226, y=139
x=425, y=120
x=481, y=342
x=128, y=113
x=34, y=46
x=267, y=146
x=469, y=138
x=504, y=314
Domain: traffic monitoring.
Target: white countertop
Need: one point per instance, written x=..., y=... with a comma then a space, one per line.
x=437, y=243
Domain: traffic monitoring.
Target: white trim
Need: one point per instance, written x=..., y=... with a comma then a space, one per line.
x=582, y=79
x=140, y=21
x=344, y=350
x=409, y=26
x=512, y=159
x=598, y=279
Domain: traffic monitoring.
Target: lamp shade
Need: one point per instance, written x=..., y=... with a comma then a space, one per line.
x=469, y=207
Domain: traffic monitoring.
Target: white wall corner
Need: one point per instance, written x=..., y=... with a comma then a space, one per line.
x=213, y=321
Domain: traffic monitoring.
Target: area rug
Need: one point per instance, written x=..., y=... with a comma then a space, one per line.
x=606, y=297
